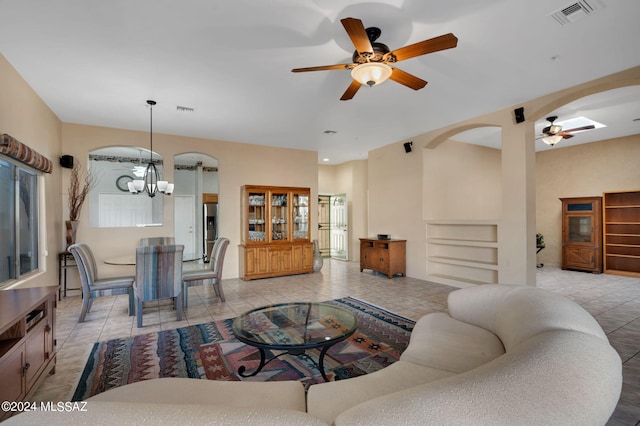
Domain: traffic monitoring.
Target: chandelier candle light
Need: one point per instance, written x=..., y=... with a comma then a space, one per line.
x=149, y=181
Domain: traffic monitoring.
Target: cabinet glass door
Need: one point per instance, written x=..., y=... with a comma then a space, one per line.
x=580, y=229
x=279, y=222
x=300, y=216
x=257, y=225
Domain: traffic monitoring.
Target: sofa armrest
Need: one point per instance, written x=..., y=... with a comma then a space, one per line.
x=439, y=341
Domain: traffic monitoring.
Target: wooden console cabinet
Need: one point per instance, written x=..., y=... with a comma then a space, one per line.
x=27, y=341
x=275, y=234
x=385, y=256
x=582, y=234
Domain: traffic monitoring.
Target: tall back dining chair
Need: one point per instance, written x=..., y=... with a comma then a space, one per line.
x=157, y=241
x=213, y=274
x=158, y=276
x=92, y=286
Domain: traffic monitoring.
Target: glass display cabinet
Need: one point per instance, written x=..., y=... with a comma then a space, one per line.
x=582, y=234
x=300, y=216
x=275, y=234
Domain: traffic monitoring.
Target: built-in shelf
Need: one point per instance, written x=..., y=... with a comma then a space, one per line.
x=462, y=253
x=622, y=233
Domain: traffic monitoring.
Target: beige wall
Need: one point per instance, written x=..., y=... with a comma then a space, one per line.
x=580, y=171
x=349, y=178
x=462, y=182
x=326, y=179
x=24, y=116
x=395, y=200
x=239, y=164
x=456, y=181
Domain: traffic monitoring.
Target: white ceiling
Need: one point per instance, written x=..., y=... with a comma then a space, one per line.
x=97, y=62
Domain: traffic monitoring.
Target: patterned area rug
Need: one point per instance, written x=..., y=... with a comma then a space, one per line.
x=210, y=351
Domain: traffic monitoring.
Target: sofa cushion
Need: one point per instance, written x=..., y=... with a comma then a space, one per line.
x=288, y=395
x=555, y=378
x=133, y=413
x=516, y=313
x=327, y=400
x=439, y=341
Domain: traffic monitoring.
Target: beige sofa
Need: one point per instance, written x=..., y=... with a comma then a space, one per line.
x=504, y=355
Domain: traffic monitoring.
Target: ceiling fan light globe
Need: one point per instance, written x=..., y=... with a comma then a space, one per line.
x=552, y=140
x=554, y=129
x=371, y=73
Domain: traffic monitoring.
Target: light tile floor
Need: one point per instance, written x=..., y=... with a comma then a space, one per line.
x=613, y=300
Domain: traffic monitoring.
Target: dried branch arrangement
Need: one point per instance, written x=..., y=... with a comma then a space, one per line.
x=79, y=186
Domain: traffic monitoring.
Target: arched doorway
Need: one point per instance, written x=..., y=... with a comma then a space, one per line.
x=195, y=203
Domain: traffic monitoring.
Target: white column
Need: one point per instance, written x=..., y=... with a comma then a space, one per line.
x=517, y=228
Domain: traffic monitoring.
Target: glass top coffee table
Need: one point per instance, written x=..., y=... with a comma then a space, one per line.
x=294, y=328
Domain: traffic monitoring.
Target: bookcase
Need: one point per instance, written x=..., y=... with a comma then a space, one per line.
x=622, y=233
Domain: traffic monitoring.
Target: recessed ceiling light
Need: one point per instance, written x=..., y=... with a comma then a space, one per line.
x=325, y=159
x=330, y=132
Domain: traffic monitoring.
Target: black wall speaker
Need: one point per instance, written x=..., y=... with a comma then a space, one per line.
x=519, y=113
x=407, y=146
x=66, y=161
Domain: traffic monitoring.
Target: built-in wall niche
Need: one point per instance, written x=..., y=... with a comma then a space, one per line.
x=196, y=222
x=110, y=202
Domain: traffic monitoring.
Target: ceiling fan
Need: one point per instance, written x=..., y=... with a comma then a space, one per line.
x=553, y=133
x=371, y=59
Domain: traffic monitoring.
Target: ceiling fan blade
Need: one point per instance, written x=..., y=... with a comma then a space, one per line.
x=351, y=90
x=579, y=129
x=565, y=135
x=407, y=79
x=357, y=34
x=322, y=68
x=443, y=42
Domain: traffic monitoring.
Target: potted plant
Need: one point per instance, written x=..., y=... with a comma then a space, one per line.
x=79, y=185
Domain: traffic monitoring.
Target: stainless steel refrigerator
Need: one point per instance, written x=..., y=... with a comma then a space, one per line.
x=209, y=229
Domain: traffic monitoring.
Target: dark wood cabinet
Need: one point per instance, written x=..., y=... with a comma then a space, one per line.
x=582, y=234
x=385, y=256
x=622, y=233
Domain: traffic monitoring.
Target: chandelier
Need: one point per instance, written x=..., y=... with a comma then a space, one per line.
x=149, y=182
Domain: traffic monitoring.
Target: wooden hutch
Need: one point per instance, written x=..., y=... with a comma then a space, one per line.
x=275, y=232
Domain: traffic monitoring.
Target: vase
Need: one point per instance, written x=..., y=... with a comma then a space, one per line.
x=71, y=229
x=317, y=258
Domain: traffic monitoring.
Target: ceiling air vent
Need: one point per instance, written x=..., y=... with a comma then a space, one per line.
x=575, y=11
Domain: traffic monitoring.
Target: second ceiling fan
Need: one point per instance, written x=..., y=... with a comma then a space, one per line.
x=371, y=59
x=553, y=133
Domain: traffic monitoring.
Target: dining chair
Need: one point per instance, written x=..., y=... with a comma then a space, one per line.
x=213, y=274
x=158, y=276
x=157, y=241
x=92, y=286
